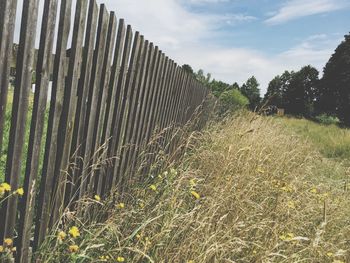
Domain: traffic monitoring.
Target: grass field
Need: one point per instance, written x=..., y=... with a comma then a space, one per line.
x=331, y=140
x=249, y=189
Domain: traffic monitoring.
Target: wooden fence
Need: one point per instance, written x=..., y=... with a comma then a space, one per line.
x=110, y=91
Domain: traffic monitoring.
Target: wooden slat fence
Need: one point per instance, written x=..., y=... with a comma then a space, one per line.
x=111, y=91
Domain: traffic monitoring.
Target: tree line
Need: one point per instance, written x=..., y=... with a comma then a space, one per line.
x=301, y=93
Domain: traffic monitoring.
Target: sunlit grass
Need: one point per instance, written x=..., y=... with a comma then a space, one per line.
x=331, y=140
x=247, y=190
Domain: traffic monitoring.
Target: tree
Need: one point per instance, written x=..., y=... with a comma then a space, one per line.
x=218, y=87
x=187, y=68
x=276, y=90
x=235, y=86
x=251, y=90
x=205, y=80
x=232, y=100
x=334, y=97
x=301, y=93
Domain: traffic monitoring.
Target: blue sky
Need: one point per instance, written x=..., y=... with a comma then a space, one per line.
x=234, y=39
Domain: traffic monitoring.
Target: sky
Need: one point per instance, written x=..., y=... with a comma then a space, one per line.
x=235, y=39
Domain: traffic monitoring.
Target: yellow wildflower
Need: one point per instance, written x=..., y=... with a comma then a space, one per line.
x=330, y=254
x=97, y=198
x=120, y=205
x=61, y=235
x=287, y=237
x=190, y=261
x=291, y=204
x=14, y=249
x=193, y=183
x=153, y=187
x=20, y=191
x=173, y=171
x=313, y=190
x=104, y=258
x=8, y=242
x=138, y=236
x=286, y=189
x=120, y=259
x=195, y=194
x=260, y=170
x=73, y=248
x=74, y=232
x=6, y=187
x=1, y=249
x=2, y=191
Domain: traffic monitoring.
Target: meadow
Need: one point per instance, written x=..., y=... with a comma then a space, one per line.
x=248, y=189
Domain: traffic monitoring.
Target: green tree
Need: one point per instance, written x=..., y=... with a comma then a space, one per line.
x=205, y=80
x=232, y=100
x=334, y=88
x=188, y=68
x=251, y=90
x=301, y=92
x=218, y=87
x=276, y=90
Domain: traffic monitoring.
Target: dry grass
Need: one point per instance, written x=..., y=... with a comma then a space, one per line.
x=264, y=196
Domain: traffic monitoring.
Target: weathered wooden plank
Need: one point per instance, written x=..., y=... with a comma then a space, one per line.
x=111, y=104
x=36, y=130
x=118, y=105
x=171, y=139
x=132, y=108
x=151, y=68
x=7, y=26
x=140, y=104
x=101, y=104
x=165, y=105
x=163, y=124
x=150, y=122
x=127, y=98
x=94, y=93
x=66, y=122
x=155, y=71
x=154, y=100
x=161, y=112
x=19, y=114
x=78, y=139
x=47, y=176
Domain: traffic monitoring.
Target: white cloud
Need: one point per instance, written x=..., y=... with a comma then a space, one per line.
x=208, y=1
x=294, y=9
x=192, y=38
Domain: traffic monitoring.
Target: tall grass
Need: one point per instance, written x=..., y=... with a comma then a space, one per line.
x=247, y=190
x=331, y=140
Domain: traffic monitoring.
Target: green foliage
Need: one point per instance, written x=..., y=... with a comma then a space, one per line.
x=218, y=87
x=187, y=68
x=327, y=119
x=302, y=92
x=331, y=140
x=232, y=100
x=251, y=90
x=334, y=86
x=205, y=80
x=295, y=91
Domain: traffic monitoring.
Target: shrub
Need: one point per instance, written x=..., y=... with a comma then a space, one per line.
x=327, y=119
x=232, y=100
